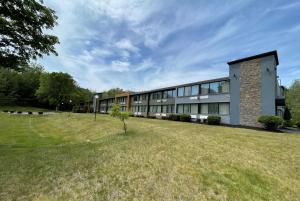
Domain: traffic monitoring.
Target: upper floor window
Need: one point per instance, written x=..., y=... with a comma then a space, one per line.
x=195, y=90
x=135, y=98
x=224, y=87
x=214, y=87
x=143, y=97
x=171, y=93
x=204, y=89
x=181, y=91
x=165, y=94
x=156, y=95
x=187, y=91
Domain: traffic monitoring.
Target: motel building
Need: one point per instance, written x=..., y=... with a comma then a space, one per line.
x=251, y=89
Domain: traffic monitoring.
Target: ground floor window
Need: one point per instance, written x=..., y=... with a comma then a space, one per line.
x=224, y=108
x=204, y=108
x=123, y=108
x=134, y=108
x=170, y=109
x=155, y=109
x=143, y=108
x=180, y=109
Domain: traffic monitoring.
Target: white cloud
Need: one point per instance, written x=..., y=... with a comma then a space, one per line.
x=127, y=45
x=120, y=66
x=147, y=44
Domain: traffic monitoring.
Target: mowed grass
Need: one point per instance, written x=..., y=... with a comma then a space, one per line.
x=62, y=157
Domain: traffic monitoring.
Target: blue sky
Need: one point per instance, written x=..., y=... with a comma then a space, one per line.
x=141, y=45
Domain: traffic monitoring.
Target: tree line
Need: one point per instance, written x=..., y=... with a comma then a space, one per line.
x=33, y=86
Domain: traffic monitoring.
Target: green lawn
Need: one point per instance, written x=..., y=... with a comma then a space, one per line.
x=61, y=157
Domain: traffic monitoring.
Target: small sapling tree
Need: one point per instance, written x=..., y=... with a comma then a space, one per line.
x=123, y=116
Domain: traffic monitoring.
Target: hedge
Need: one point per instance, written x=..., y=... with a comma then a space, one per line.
x=298, y=124
x=270, y=122
x=213, y=120
x=174, y=117
x=185, y=117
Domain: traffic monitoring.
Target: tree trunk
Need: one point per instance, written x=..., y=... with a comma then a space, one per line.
x=125, y=127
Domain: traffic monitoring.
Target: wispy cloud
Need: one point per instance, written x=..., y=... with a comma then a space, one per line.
x=139, y=45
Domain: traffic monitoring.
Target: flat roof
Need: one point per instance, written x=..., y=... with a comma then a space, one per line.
x=272, y=53
x=172, y=87
x=182, y=85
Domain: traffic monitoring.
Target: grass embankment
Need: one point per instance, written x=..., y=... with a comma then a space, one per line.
x=61, y=157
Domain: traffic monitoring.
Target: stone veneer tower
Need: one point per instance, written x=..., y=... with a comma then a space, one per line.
x=252, y=88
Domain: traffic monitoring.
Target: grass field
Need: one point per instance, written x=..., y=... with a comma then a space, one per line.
x=62, y=157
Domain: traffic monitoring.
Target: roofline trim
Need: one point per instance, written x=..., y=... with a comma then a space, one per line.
x=272, y=53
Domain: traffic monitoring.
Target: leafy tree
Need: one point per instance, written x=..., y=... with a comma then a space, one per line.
x=56, y=88
x=287, y=114
x=29, y=81
x=9, y=86
x=293, y=100
x=22, y=37
x=112, y=92
x=123, y=116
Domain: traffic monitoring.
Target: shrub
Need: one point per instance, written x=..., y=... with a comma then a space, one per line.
x=213, y=120
x=40, y=112
x=19, y=112
x=288, y=123
x=29, y=112
x=130, y=114
x=270, y=122
x=298, y=124
x=12, y=111
x=164, y=118
x=287, y=114
x=174, y=117
x=5, y=111
x=185, y=117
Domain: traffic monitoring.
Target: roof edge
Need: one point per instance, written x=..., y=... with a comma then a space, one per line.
x=271, y=53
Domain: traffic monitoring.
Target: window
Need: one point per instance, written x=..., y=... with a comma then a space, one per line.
x=224, y=87
x=187, y=91
x=151, y=109
x=165, y=94
x=204, y=109
x=194, y=108
x=155, y=108
x=186, y=108
x=180, y=91
x=135, y=98
x=174, y=92
x=180, y=109
x=204, y=89
x=195, y=90
x=164, y=109
x=213, y=108
x=170, y=109
x=214, y=88
x=156, y=96
x=171, y=93
x=158, y=109
x=143, y=97
x=143, y=108
x=224, y=108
